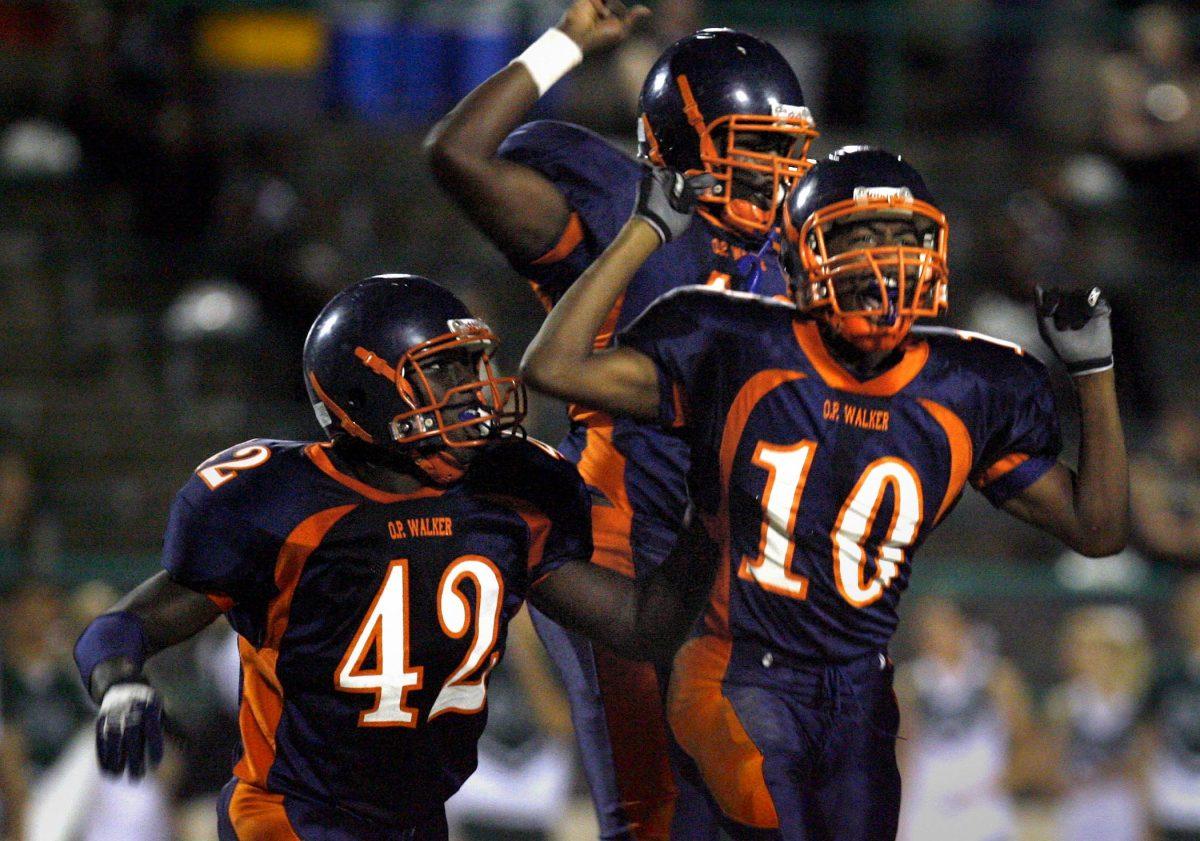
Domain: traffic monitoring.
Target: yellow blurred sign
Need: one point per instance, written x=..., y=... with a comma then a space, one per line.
x=274, y=41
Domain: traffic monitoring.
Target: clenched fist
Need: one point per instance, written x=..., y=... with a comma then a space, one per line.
x=596, y=25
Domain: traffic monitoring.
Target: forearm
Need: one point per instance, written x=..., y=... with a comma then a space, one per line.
x=155, y=615
x=556, y=361
x=1101, y=493
x=474, y=129
x=644, y=620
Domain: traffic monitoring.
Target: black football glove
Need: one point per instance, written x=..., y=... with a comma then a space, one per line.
x=129, y=734
x=666, y=199
x=1076, y=325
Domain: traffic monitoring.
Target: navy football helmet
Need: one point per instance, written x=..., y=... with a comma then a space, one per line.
x=398, y=362
x=870, y=294
x=727, y=103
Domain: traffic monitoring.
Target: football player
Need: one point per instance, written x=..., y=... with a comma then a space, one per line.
x=371, y=579
x=828, y=438
x=552, y=196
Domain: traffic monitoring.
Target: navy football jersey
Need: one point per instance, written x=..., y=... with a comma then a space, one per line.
x=369, y=620
x=821, y=487
x=636, y=468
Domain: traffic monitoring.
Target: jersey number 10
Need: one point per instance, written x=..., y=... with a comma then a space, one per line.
x=787, y=471
x=385, y=632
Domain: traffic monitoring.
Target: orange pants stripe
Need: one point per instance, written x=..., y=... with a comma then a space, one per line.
x=708, y=729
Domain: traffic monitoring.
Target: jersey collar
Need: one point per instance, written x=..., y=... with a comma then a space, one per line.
x=318, y=455
x=891, y=381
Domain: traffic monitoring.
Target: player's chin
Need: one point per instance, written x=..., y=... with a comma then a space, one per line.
x=754, y=190
x=869, y=334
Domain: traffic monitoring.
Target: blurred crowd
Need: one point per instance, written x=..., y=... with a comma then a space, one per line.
x=177, y=201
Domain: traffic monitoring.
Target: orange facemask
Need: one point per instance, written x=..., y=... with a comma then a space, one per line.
x=872, y=296
x=742, y=214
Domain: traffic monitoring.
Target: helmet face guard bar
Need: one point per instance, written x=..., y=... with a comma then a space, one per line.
x=793, y=122
x=495, y=404
x=910, y=281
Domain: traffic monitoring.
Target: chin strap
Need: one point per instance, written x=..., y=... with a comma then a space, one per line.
x=866, y=335
x=442, y=467
x=746, y=217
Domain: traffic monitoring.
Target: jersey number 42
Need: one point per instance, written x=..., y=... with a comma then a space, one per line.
x=385, y=633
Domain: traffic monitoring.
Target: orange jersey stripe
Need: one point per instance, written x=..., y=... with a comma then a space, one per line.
x=262, y=695
x=602, y=467
x=835, y=376
x=259, y=713
x=223, y=602
x=318, y=455
x=962, y=451
x=258, y=815
x=568, y=241
x=535, y=520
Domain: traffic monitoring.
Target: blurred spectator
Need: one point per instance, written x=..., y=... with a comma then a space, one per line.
x=29, y=531
x=963, y=709
x=199, y=685
x=72, y=800
x=13, y=786
x=136, y=112
x=946, y=74
x=42, y=696
x=1023, y=247
x=1033, y=243
x=1151, y=123
x=1165, y=489
x=16, y=502
x=1092, y=715
x=1174, y=734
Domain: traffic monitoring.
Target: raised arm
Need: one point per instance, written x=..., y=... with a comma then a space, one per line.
x=562, y=359
x=1088, y=511
x=519, y=209
x=646, y=621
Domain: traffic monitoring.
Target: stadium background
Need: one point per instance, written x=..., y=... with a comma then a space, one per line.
x=184, y=183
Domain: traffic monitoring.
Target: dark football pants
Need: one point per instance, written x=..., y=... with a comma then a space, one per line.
x=808, y=748
x=260, y=816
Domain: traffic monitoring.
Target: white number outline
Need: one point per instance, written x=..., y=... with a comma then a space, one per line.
x=771, y=568
x=774, y=574
x=244, y=459
x=849, y=549
x=390, y=686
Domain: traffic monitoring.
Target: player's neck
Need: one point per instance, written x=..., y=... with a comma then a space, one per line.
x=388, y=474
x=864, y=365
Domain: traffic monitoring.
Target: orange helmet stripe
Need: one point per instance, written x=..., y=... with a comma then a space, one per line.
x=343, y=418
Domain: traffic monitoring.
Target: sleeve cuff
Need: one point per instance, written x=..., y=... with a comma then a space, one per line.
x=999, y=486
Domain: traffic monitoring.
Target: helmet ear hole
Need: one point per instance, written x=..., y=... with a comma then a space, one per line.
x=355, y=397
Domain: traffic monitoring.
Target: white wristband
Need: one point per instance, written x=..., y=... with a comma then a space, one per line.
x=549, y=58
